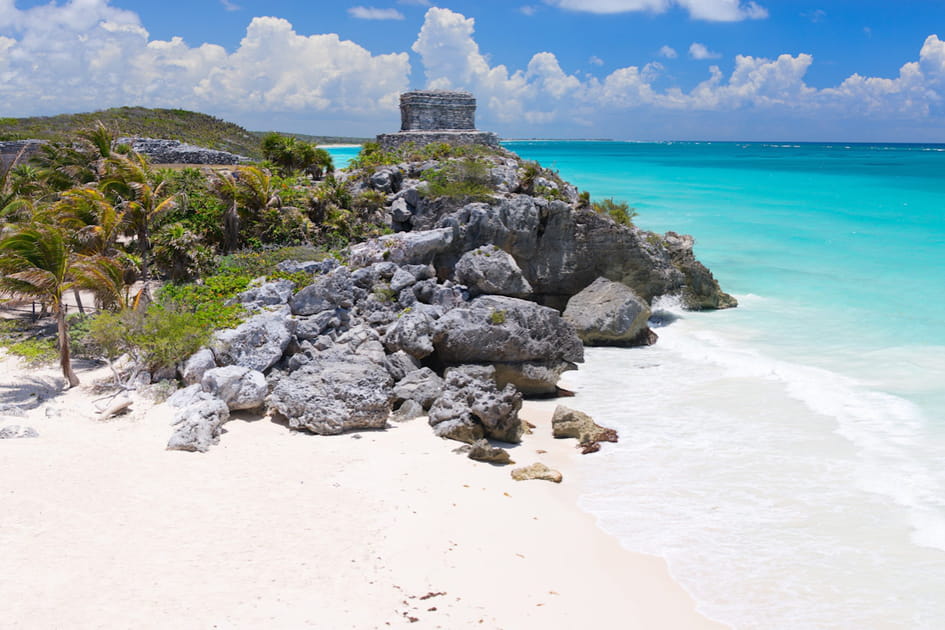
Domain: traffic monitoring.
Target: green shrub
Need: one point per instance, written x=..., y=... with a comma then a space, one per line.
x=80, y=343
x=372, y=156
x=35, y=351
x=465, y=178
x=497, y=317
x=156, y=338
x=301, y=278
x=620, y=212
x=206, y=301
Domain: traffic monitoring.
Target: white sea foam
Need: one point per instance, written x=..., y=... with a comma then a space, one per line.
x=782, y=495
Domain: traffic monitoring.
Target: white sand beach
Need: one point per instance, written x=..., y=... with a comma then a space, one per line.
x=104, y=528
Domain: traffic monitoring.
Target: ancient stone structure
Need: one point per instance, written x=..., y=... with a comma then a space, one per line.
x=433, y=110
x=437, y=116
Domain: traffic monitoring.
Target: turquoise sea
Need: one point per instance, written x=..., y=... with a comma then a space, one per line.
x=786, y=457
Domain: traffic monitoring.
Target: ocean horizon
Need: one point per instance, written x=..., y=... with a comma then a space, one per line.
x=786, y=457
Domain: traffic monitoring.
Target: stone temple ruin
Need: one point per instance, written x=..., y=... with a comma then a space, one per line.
x=437, y=116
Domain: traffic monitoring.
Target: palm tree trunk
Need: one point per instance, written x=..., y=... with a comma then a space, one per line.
x=65, y=359
x=78, y=299
x=231, y=229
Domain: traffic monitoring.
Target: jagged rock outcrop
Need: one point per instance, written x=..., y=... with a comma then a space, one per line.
x=561, y=250
x=491, y=271
x=529, y=345
x=472, y=407
x=609, y=313
x=338, y=390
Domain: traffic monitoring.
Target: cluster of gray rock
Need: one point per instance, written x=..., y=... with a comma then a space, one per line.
x=455, y=316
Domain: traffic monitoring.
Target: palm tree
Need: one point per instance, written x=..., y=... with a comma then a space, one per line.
x=251, y=190
x=227, y=188
x=131, y=183
x=35, y=262
x=95, y=224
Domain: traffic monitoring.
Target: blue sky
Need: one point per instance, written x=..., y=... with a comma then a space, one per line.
x=628, y=69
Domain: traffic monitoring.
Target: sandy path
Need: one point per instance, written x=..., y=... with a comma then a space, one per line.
x=100, y=527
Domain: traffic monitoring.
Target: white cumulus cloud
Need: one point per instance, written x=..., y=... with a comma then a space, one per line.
x=86, y=54
x=668, y=52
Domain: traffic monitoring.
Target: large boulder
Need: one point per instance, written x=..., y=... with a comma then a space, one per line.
x=258, y=343
x=337, y=391
x=529, y=345
x=238, y=387
x=472, y=407
x=490, y=270
x=608, y=313
x=199, y=423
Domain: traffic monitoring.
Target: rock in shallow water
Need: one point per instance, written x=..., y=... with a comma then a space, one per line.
x=570, y=423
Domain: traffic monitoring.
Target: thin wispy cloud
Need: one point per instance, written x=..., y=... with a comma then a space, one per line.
x=595, y=61
x=528, y=9
x=668, y=52
x=815, y=16
x=416, y=3
x=708, y=10
x=230, y=6
x=373, y=13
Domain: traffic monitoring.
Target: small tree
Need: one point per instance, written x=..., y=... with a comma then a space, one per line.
x=35, y=263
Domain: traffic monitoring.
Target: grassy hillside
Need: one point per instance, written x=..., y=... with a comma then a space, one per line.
x=171, y=124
